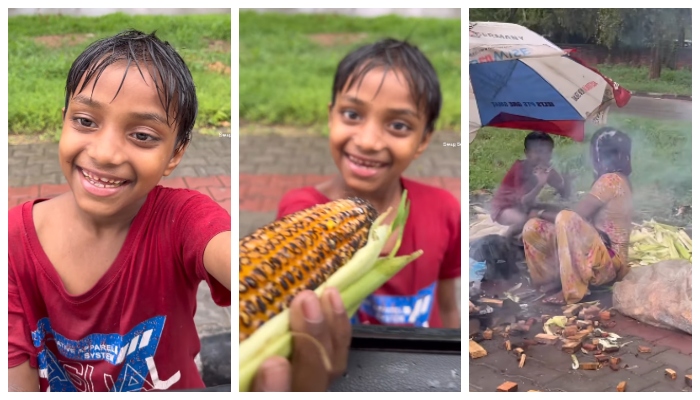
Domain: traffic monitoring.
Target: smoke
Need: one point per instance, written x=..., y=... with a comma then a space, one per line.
x=661, y=165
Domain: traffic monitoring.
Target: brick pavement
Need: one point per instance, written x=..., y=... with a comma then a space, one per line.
x=33, y=171
x=549, y=369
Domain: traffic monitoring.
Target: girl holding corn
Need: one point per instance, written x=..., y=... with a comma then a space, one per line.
x=386, y=99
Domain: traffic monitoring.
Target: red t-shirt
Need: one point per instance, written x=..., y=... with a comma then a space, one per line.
x=518, y=182
x=433, y=226
x=514, y=186
x=134, y=330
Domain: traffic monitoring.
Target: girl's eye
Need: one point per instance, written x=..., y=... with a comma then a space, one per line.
x=399, y=126
x=83, y=122
x=349, y=114
x=143, y=137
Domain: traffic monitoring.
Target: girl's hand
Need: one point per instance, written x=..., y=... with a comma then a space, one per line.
x=327, y=322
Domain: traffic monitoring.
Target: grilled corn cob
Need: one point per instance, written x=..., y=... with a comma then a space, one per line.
x=297, y=253
x=364, y=273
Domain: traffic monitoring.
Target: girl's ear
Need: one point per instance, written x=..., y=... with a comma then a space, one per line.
x=423, y=144
x=175, y=160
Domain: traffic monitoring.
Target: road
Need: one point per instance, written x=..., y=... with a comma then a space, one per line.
x=666, y=109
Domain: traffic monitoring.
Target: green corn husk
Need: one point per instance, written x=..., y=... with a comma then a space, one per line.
x=355, y=281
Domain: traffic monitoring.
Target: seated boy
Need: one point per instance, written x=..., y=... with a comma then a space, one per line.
x=518, y=192
x=103, y=279
x=385, y=101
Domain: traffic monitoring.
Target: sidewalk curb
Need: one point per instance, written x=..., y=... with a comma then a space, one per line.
x=662, y=96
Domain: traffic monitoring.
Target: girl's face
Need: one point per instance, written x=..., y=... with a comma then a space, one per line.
x=376, y=131
x=114, y=150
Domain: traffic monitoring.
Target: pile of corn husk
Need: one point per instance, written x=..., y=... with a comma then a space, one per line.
x=651, y=242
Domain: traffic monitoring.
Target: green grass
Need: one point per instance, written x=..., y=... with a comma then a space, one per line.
x=37, y=72
x=661, y=159
x=286, y=76
x=637, y=79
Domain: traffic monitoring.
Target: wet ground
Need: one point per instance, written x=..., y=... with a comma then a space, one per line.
x=548, y=368
x=656, y=108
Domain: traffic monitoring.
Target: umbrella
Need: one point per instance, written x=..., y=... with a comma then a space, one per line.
x=520, y=80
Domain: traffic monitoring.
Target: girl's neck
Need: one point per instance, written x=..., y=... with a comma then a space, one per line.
x=107, y=225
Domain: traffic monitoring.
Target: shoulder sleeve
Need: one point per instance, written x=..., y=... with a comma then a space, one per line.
x=199, y=220
x=509, y=181
x=607, y=187
x=297, y=200
x=506, y=190
x=451, y=267
x=19, y=343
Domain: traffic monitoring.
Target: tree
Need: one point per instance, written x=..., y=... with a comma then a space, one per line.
x=657, y=29
x=682, y=25
x=557, y=24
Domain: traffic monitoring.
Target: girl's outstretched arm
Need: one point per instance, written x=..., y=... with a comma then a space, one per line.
x=217, y=258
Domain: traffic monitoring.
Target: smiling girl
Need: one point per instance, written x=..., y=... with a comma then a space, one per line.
x=386, y=99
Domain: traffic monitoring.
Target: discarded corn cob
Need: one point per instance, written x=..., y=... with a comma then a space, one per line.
x=359, y=277
x=298, y=252
x=652, y=242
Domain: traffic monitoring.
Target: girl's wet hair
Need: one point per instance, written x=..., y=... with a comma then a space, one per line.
x=151, y=56
x=611, y=151
x=399, y=56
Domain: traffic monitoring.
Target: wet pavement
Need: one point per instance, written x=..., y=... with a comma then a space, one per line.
x=656, y=108
x=548, y=368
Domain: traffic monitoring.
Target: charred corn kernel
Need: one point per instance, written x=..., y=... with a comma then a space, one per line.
x=296, y=253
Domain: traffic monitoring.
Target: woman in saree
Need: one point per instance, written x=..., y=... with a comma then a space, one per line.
x=586, y=246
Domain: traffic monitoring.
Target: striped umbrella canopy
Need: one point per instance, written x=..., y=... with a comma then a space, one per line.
x=520, y=80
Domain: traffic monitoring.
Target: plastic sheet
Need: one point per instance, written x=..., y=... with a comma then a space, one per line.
x=659, y=294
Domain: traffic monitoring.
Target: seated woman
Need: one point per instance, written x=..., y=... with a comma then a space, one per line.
x=589, y=245
x=518, y=192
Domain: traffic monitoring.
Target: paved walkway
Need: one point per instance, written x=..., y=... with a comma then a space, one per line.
x=206, y=166
x=547, y=368
x=656, y=108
